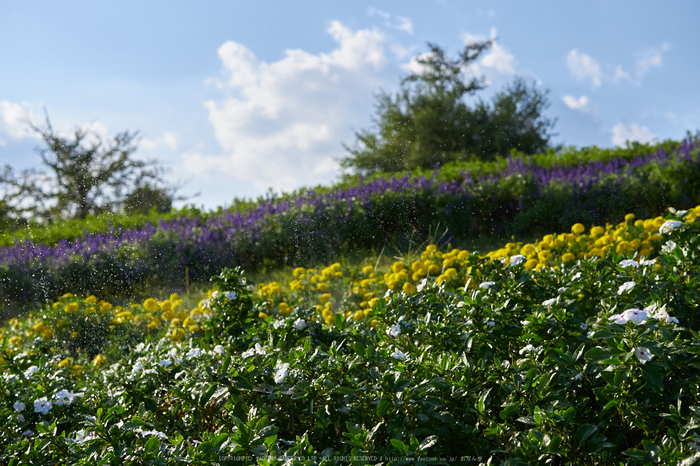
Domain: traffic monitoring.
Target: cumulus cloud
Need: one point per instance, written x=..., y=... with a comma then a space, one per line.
x=400, y=23
x=649, y=59
x=584, y=67
x=495, y=61
x=14, y=121
x=582, y=104
x=282, y=123
x=623, y=133
x=167, y=139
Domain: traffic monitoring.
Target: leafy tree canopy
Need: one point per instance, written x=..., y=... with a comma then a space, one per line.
x=85, y=175
x=429, y=123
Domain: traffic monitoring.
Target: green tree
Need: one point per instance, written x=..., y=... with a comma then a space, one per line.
x=428, y=122
x=86, y=175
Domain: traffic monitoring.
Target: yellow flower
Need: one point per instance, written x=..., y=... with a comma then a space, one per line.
x=71, y=307
x=322, y=286
x=397, y=267
x=98, y=360
x=567, y=257
x=67, y=295
x=409, y=288
x=528, y=250
x=193, y=328
x=367, y=269
x=299, y=272
x=92, y=299
x=105, y=306
x=167, y=315
x=150, y=304
x=629, y=217
x=578, y=229
x=597, y=231
x=325, y=297
x=531, y=264
x=284, y=309
x=73, y=334
x=66, y=362
x=166, y=305
x=77, y=369
x=89, y=310
x=262, y=315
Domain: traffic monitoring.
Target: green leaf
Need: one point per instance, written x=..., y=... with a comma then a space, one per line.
x=582, y=433
x=598, y=354
x=307, y=344
x=152, y=444
x=399, y=445
x=382, y=407
x=653, y=376
x=508, y=410
x=339, y=320
x=481, y=404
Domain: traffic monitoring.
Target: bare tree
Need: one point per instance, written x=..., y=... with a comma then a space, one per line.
x=86, y=175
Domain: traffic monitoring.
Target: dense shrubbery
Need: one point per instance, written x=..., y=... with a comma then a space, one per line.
x=579, y=348
x=524, y=199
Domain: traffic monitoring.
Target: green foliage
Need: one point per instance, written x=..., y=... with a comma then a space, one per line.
x=563, y=365
x=428, y=123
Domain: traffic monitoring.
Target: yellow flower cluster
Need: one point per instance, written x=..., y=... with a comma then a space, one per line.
x=629, y=238
x=329, y=292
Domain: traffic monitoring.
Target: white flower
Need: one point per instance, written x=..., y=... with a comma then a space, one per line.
x=64, y=397
x=218, y=349
x=139, y=348
x=669, y=225
x=165, y=362
x=563, y=289
x=626, y=287
x=578, y=376
x=193, y=353
x=487, y=285
x=629, y=263
x=138, y=367
x=300, y=324
x=398, y=354
x=550, y=302
x=636, y=316
x=590, y=334
x=18, y=406
x=516, y=260
x=643, y=354
x=576, y=277
x=584, y=326
x=155, y=432
x=649, y=262
x=491, y=323
x=281, y=373
x=148, y=371
x=527, y=349
x=278, y=323
x=669, y=247
x=257, y=350
x=394, y=330
x=660, y=313
x=82, y=436
x=20, y=418
x=42, y=405
x=215, y=295
x=230, y=295
x=27, y=433
x=31, y=371
x=206, y=304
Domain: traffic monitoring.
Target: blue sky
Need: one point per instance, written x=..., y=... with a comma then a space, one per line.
x=238, y=97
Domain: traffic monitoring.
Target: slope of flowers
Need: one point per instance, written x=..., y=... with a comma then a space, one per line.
x=580, y=348
x=314, y=226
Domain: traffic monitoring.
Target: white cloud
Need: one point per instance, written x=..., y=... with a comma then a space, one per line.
x=623, y=133
x=584, y=67
x=168, y=139
x=401, y=23
x=14, y=121
x=285, y=124
x=649, y=59
x=583, y=103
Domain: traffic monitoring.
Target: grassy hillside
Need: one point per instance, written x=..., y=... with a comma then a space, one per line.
x=523, y=200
